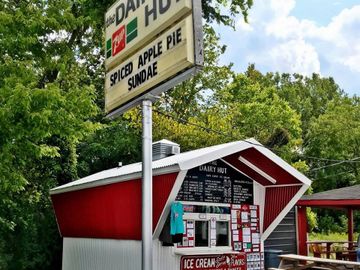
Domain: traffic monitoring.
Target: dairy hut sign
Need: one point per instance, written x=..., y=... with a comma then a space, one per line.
x=149, y=43
x=131, y=23
x=160, y=59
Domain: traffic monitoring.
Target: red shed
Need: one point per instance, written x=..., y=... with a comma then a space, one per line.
x=233, y=196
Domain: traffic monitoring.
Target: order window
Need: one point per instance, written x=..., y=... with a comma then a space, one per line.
x=222, y=233
x=201, y=233
x=208, y=228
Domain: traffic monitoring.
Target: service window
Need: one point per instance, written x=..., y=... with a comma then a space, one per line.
x=206, y=227
x=201, y=233
x=222, y=233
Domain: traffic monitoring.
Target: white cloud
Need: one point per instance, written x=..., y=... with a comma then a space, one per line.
x=295, y=56
x=277, y=41
x=243, y=26
x=282, y=7
x=343, y=34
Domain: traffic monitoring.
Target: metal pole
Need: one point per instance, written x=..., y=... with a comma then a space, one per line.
x=147, y=185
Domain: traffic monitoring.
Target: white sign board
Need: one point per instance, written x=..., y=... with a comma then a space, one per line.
x=167, y=55
x=151, y=45
x=132, y=23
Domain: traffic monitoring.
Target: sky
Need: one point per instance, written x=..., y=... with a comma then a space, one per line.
x=299, y=36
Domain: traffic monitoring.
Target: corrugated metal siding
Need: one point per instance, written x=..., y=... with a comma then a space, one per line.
x=284, y=236
x=100, y=254
x=164, y=257
x=276, y=198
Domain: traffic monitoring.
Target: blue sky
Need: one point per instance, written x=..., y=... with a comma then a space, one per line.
x=299, y=36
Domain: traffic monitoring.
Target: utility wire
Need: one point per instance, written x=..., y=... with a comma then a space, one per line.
x=327, y=159
x=186, y=122
x=333, y=175
x=335, y=164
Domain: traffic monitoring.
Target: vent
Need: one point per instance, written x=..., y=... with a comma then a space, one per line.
x=175, y=149
x=164, y=148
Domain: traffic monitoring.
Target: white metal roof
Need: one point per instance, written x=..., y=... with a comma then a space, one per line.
x=165, y=141
x=183, y=161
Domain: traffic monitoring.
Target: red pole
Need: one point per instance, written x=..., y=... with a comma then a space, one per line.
x=302, y=230
x=350, y=227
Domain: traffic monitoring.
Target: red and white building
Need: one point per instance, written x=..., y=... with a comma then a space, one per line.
x=233, y=194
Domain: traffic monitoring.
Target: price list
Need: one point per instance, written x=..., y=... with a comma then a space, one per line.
x=242, y=191
x=216, y=182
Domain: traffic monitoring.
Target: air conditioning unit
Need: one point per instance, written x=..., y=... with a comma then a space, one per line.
x=165, y=148
x=175, y=150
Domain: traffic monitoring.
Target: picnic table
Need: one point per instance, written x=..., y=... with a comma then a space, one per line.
x=299, y=262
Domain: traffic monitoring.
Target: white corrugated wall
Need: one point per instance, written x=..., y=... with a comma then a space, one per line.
x=164, y=259
x=107, y=254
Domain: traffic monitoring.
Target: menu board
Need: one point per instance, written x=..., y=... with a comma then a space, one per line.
x=216, y=182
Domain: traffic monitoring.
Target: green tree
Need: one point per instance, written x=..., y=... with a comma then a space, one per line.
x=260, y=112
x=51, y=98
x=116, y=142
x=309, y=96
x=335, y=139
x=212, y=10
x=189, y=97
x=47, y=101
x=241, y=110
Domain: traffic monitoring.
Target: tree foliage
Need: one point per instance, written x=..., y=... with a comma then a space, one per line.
x=213, y=10
x=51, y=126
x=335, y=137
x=47, y=102
x=52, y=129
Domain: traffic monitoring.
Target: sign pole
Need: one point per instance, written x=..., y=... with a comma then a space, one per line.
x=147, y=185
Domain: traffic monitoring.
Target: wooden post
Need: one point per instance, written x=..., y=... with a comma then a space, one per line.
x=302, y=230
x=350, y=227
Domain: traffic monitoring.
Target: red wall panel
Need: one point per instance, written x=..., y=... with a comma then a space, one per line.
x=276, y=198
x=112, y=211
x=281, y=176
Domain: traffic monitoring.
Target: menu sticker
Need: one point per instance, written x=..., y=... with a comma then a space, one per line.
x=235, y=237
x=244, y=217
x=213, y=223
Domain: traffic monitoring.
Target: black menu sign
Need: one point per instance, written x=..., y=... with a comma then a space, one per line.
x=216, y=182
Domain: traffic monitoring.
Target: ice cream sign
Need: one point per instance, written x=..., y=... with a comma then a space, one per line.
x=131, y=24
x=214, y=262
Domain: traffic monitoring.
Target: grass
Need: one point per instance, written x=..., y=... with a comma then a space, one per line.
x=331, y=236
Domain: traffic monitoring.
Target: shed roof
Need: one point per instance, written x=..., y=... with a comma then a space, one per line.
x=346, y=197
x=189, y=160
x=345, y=193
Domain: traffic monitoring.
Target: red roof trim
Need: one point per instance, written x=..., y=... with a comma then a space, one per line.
x=328, y=203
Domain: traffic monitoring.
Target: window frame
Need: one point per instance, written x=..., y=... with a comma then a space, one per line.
x=207, y=217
